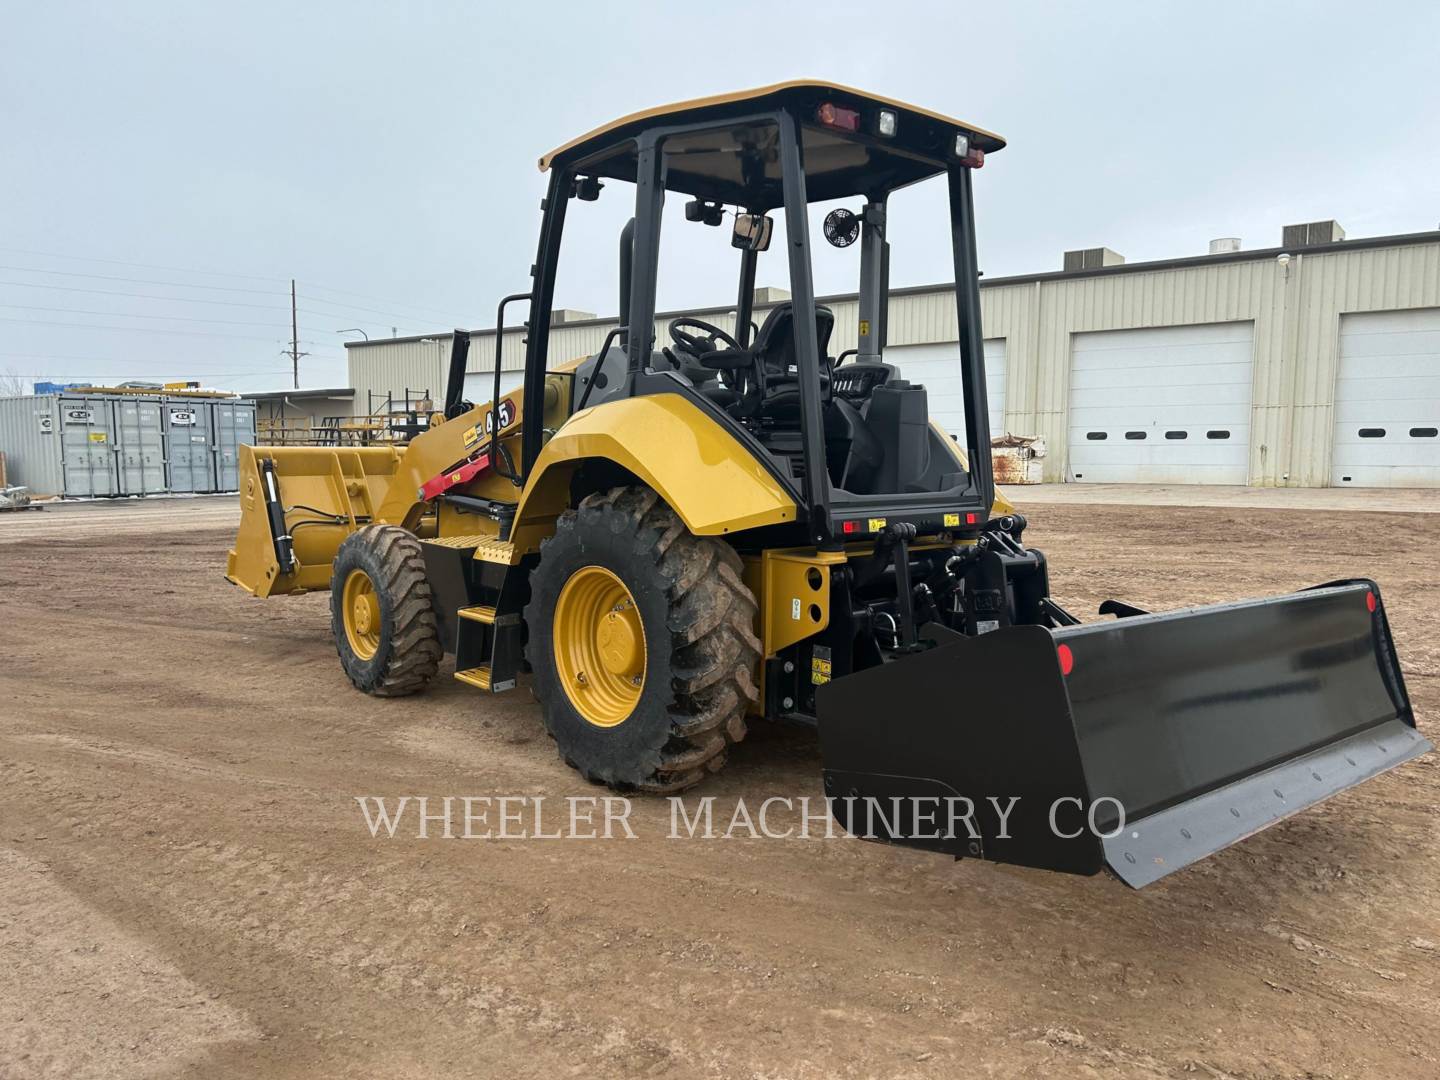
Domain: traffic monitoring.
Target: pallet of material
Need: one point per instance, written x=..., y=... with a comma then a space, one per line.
x=15, y=498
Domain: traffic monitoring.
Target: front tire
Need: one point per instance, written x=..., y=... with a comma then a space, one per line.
x=642, y=644
x=381, y=614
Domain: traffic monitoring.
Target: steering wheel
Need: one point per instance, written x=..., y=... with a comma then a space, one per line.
x=696, y=345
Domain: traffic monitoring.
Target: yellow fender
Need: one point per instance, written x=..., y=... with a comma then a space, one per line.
x=702, y=472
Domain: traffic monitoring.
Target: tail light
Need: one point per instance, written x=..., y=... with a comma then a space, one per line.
x=838, y=117
x=970, y=156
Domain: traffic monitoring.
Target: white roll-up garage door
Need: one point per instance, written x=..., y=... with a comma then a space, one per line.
x=937, y=368
x=1387, y=400
x=1162, y=405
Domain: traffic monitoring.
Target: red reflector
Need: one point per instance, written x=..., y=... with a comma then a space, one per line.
x=1067, y=659
x=1370, y=600
x=975, y=159
x=848, y=526
x=971, y=519
x=837, y=116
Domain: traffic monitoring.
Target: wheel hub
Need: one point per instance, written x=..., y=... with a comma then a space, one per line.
x=361, y=612
x=599, y=646
x=365, y=613
x=619, y=638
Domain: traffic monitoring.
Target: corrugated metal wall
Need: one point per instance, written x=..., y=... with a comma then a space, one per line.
x=1295, y=307
x=390, y=367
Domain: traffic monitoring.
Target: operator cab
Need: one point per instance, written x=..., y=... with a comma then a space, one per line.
x=805, y=384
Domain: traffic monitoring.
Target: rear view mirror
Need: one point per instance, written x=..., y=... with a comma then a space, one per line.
x=752, y=232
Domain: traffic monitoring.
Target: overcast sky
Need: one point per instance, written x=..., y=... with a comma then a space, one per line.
x=165, y=169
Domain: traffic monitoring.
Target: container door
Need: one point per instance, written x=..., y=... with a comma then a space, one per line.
x=140, y=448
x=188, y=445
x=87, y=447
x=234, y=425
x=244, y=424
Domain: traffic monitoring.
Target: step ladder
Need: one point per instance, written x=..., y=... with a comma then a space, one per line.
x=488, y=633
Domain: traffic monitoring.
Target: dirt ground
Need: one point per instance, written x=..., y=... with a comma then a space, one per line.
x=187, y=887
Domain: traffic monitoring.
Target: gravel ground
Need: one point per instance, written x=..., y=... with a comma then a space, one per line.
x=187, y=887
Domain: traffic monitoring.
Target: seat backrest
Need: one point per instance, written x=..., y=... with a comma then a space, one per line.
x=775, y=343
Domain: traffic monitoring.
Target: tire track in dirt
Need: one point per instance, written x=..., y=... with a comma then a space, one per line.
x=195, y=786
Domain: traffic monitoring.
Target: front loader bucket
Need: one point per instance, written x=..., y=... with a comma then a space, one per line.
x=1143, y=744
x=297, y=504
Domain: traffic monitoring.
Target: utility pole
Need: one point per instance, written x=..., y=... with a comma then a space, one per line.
x=294, y=337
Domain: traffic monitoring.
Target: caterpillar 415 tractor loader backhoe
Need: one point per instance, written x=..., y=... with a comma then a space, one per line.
x=679, y=536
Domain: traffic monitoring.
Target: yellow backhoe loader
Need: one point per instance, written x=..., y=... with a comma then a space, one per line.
x=677, y=537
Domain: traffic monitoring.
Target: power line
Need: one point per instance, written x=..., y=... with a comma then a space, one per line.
x=379, y=300
x=140, y=296
x=138, y=329
x=167, y=318
x=141, y=281
x=143, y=266
x=416, y=309
x=131, y=315
x=183, y=300
x=310, y=298
x=177, y=299
x=130, y=375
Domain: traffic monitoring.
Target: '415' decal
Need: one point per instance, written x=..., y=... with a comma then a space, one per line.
x=507, y=416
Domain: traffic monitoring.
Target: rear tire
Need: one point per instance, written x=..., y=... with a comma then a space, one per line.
x=697, y=656
x=380, y=612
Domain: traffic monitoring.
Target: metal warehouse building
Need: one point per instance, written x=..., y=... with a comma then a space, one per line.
x=1312, y=364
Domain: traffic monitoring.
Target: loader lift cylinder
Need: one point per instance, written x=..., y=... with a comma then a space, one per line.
x=275, y=513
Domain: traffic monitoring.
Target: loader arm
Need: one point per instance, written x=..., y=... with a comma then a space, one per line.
x=309, y=499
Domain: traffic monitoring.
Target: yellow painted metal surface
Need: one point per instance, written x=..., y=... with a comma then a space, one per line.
x=329, y=492
x=662, y=111
x=478, y=677
x=598, y=643
x=703, y=473
x=360, y=612
x=793, y=590
x=446, y=445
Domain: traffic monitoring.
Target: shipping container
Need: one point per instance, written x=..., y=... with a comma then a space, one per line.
x=87, y=445
x=59, y=444
x=139, y=446
x=100, y=445
x=188, y=445
x=28, y=436
x=233, y=426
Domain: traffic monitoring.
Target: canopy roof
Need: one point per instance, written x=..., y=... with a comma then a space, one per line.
x=741, y=164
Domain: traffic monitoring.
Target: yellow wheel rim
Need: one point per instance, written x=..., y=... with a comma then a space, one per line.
x=599, y=646
x=360, y=609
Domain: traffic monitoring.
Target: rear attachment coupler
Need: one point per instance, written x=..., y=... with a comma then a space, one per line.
x=892, y=549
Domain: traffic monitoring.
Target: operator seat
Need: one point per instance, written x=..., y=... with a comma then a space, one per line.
x=775, y=348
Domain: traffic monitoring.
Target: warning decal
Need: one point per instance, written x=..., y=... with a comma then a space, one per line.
x=820, y=665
